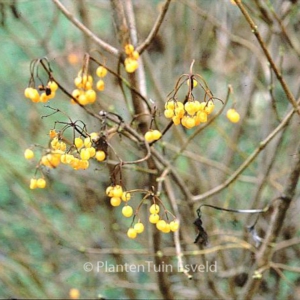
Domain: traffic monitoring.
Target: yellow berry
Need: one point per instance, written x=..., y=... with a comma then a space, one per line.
x=195, y=83
x=130, y=65
x=179, y=111
x=78, y=82
x=153, y=218
x=209, y=107
x=100, y=155
x=135, y=55
x=100, y=85
x=174, y=225
x=91, y=96
x=170, y=105
x=139, y=227
x=201, y=117
x=76, y=93
x=169, y=113
x=52, y=133
x=117, y=191
x=156, y=134
x=109, y=191
x=34, y=95
x=176, y=120
x=82, y=99
x=115, y=201
x=126, y=196
x=85, y=154
x=33, y=183
x=78, y=142
x=92, y=151
x=148, y=136
x=127, y=211
x=28, y=154
x=74, y=293
x=232, y=115
x=88, y=142
x=129, y=49
x=161, y=224
x=154, y=209
x=41, y=183
x=131, y=233
x=53, y=86
x=166, y=228
x=101, y=71
x=27, y=92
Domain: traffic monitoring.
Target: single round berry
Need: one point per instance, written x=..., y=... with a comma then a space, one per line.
x=131, y=233
x=161, y=224
x=174, y=225
x=126, y=196
x=117, y=191
x=156, y=134
x=115, y=201
x=169, y=113
x=53, y=86
x=90, y=96
x=128, y=49
x=100, y=85
x=110, y=191
x=41, y=183
x=78, y=142
x=33, y=183
x=195, y=83
x=153, y=218
x=232, y=115
x=28, y=154
x=100, y=155
x=85, y=154
x=101, y=71
x=148, y=136
x=127, y=211
x=166, y=228
x=139, y=227
x=154, y=209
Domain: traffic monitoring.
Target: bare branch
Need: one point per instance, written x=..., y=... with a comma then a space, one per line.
x=142, y=47
x=105, y=46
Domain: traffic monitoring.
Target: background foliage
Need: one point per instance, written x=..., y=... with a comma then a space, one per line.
x=47, y=235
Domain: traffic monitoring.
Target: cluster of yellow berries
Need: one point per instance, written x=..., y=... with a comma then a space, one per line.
x=232, y=115
x=34, y=183
x=154, y=218
x=47, y=94
x=78, y=159
x=37, y=183
x=190, y=114
x=118, y=195
x=161, y=225
x=84, y=93
x=131, y=61
x=152, y=135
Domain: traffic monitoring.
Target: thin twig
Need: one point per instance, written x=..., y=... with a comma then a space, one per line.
x=143, y=46
x=278, y=74
x=247, y=162
x=105, y=46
